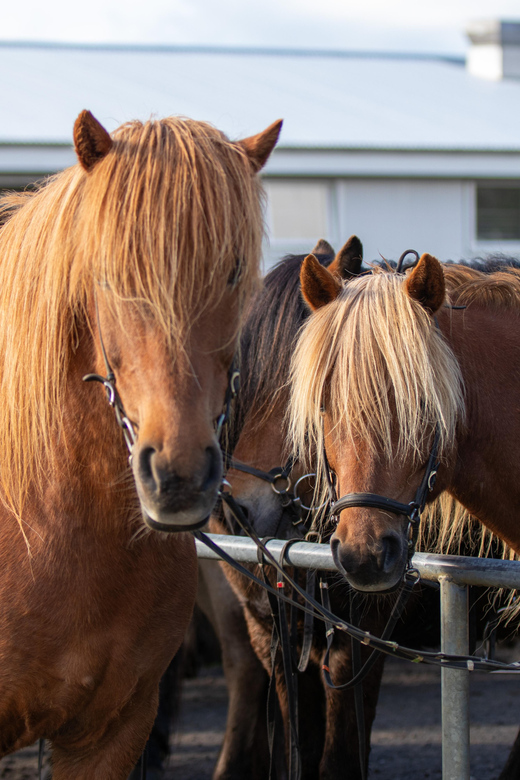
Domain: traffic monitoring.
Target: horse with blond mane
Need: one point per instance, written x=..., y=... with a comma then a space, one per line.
x=134, y=264
x=398, y=373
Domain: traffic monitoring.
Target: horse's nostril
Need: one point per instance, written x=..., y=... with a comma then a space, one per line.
x=392, y=549
x=213, y=468
x=337, y=554
x=146, y=466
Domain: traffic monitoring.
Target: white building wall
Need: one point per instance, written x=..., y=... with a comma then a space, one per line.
x=390, y=216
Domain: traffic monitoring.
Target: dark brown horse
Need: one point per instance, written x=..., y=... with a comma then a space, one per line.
x=327, y=719
x=329, y=737
x=136, y=264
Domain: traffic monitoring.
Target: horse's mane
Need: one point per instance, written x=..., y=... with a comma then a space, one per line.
x=493, y=281
x=273, y=320
x=167, y=219
x=372, y=337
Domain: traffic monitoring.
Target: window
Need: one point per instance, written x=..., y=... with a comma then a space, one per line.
x=298, y=209
x=498, y=212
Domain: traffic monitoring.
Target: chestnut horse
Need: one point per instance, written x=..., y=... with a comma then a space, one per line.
x=327, y=717
x=136, y=264
x=392, y=369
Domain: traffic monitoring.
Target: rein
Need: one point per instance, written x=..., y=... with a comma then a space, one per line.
x=446, y=660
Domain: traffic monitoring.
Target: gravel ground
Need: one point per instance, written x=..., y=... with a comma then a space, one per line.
x=406, y=739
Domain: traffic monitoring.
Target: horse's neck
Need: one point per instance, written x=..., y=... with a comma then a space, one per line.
x=484, y=472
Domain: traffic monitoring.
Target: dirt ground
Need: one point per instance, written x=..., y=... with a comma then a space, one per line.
x=406, y=740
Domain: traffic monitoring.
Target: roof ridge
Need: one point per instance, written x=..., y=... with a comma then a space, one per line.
x=240, y=50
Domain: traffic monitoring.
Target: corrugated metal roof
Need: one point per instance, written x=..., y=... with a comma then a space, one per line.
x=332, y=100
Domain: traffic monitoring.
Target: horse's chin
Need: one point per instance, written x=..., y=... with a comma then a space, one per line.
x=377, y=588
x=174, y=522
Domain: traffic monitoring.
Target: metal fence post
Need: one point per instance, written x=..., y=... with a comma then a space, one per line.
x=454, y=682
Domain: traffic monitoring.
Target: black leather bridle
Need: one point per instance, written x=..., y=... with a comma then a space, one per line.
x=279, y=478
x=412, y=510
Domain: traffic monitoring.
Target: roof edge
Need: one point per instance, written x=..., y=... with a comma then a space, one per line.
x=239, y=50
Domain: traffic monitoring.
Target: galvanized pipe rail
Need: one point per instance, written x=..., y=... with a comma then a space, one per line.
x=454, y=573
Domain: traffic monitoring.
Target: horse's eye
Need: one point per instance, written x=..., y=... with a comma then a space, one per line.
x=236, y=273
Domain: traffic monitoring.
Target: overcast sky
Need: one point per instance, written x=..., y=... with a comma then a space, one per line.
x=390, y=25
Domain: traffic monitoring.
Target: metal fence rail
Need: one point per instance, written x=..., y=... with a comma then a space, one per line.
x=455, y=574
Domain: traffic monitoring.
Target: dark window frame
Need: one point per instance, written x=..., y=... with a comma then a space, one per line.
x=497, y=207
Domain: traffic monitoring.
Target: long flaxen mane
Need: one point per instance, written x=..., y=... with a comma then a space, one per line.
x=167, y=219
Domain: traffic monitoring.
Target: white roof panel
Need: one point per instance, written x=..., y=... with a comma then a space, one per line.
x=328, y=100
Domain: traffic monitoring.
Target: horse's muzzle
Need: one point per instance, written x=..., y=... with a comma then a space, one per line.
x=374, y=567
x=171, y=502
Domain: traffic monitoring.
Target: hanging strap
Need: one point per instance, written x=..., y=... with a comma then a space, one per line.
x=41, y=754
x=359, y=706
x=281, y=639
x=308, y=623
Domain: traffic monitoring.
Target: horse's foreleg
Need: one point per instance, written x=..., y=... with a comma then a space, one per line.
x=341, y=756
x=244, y=751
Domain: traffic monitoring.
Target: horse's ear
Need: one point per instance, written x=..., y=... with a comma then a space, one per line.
x=349, y=259
x=259, y=147
x=91, y=140
x=426, y=283
x=319, y=286
x=322, y=248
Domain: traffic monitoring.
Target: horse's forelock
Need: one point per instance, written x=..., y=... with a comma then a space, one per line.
x=371, y=355
x=177, y=214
